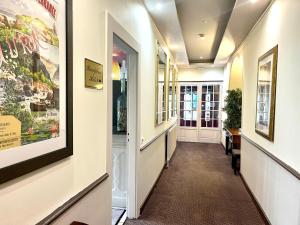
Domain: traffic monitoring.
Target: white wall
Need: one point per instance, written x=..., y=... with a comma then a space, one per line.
x=151, y=163
x=201, y=74
x=236, y=74
x=277, y=27
x=274, y=188
x=87, y=209
x=227, y=71
x=36, y=195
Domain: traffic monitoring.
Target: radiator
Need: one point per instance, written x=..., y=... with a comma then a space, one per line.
x=172, y=142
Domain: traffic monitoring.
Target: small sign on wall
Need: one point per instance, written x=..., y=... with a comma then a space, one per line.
x=93, y=75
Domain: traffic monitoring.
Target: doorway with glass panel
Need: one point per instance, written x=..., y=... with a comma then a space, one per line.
x=199, y=109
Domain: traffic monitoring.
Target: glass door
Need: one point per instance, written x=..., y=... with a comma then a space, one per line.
x=210, y=106
x=199, y=112
x=188, y=106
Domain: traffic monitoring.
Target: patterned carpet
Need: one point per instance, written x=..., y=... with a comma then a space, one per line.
x=199, y=188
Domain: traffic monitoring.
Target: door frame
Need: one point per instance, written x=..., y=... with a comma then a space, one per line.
x=112, y=27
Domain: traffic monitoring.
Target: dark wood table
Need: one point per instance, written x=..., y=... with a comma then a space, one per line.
x=233, y=146
x=233, y=140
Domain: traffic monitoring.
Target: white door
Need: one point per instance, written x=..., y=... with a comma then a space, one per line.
x=199, y=107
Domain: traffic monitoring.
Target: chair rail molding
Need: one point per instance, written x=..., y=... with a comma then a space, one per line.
x=72, y=201
x=291, y=170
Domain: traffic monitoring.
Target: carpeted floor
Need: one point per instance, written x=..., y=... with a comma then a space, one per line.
x=199, y=188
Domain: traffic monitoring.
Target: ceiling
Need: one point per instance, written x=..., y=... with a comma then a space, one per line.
x=203, y=17
x=224, y=24
x=164, y=13
x=243, y=18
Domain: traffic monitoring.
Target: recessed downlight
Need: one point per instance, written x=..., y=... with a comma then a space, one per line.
x=201, y=57
x=253, y=1
x=158, y=6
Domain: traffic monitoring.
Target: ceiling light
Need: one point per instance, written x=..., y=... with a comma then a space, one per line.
x=253, y=1
x=202, y=36
x=201, y=57
x=159, y=6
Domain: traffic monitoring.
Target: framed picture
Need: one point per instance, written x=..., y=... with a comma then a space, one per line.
x=160, y=86
x=171, y=90
x=266, y=94
x=35, y=85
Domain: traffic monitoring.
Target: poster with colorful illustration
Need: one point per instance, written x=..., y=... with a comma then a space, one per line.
x=32, y=78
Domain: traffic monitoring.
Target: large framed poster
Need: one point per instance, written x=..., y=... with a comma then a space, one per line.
x=35, y=85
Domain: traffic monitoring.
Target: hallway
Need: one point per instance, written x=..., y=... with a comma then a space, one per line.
x=199, y=188
x=97, y=96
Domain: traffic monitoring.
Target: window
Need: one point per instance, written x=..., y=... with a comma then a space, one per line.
x=263, y=103
x=188, y=105
x=210, y=106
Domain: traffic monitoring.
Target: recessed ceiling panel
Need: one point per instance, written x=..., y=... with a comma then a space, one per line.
x=203, y=23
x=202, y=32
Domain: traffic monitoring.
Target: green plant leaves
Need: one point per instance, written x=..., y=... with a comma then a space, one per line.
x=233, y=109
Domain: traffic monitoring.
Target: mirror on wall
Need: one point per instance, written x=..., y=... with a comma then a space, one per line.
x=171, y=91
x=160, y=92
x=175, y=85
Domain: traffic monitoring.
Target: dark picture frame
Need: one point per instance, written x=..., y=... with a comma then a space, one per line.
x=266, y=94
x=24, y=167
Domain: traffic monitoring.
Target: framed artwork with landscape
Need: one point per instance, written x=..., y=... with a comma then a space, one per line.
x=35, y=85
x=266, y=94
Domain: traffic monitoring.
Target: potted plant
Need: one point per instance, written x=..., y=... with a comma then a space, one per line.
x=233, y=108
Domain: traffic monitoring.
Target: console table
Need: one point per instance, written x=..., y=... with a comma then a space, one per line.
x=233, y=140
x=233, y=146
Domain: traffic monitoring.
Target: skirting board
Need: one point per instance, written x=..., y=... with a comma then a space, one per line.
x=258, y=206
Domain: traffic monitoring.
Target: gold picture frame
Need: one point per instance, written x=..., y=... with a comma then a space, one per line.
x=266, y=94
x=170, y=90
x=175, y=84
x=160, y=86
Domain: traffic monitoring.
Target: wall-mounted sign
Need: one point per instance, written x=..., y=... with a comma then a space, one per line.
x=93, y=74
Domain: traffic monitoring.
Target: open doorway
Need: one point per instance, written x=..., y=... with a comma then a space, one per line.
x=124, y=69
